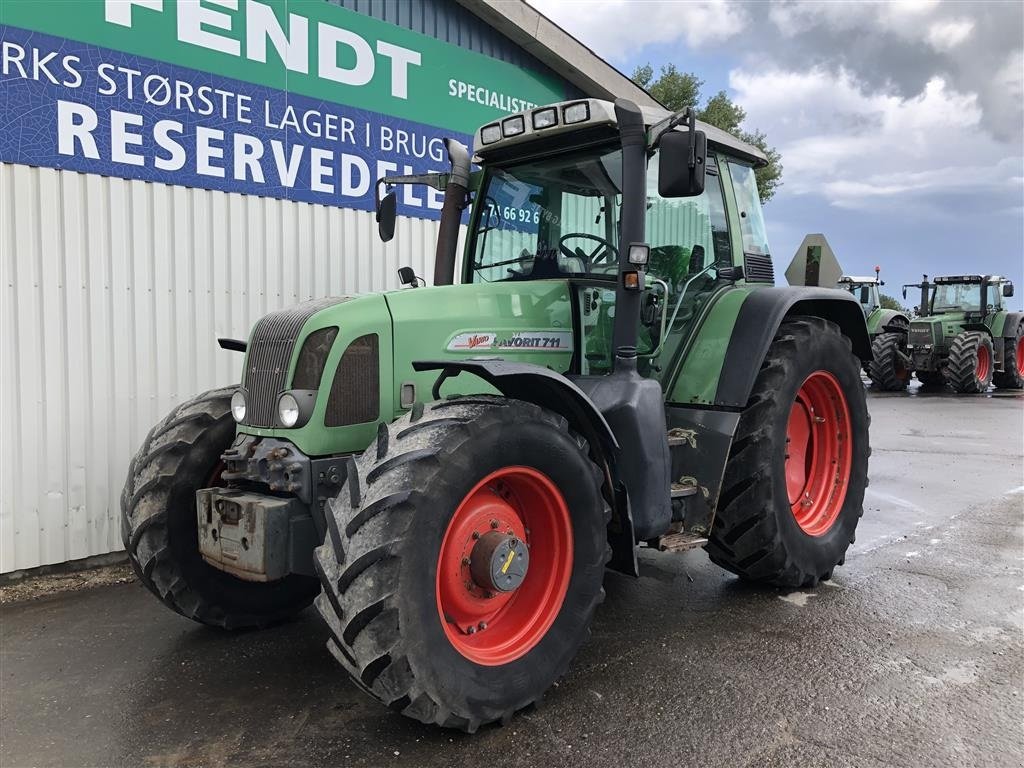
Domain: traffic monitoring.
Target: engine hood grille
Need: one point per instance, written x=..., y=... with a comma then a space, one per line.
x=270, y=352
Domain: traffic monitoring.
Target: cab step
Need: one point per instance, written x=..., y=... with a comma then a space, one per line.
x=681, y=491
x=679, y=436
x=680, y=542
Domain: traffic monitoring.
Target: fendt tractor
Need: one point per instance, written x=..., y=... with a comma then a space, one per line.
x=448, y=471
x=963, y=336
x=887, y=329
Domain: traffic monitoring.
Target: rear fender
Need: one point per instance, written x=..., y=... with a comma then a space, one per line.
x=759, y=318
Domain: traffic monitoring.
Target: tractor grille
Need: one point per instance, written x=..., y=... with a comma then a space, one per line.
x=920, y=334
x=270, y=352
x=355, y=393
x=758, y=268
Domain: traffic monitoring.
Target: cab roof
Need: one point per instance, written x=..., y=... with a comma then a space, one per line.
x=945, y=279
x=872, y=280
x=601, y=113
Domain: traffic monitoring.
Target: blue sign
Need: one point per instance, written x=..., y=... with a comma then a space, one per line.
x=83, y=108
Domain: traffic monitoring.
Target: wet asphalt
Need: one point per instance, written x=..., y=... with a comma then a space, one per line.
x=912, y=656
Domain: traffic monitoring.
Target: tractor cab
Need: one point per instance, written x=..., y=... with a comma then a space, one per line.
x=550, y=203
x=973, y=296
x=864, y=289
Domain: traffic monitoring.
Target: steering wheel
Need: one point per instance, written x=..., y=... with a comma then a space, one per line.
x=600, y=253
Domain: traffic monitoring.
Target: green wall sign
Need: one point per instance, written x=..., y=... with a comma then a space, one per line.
x=307, y=47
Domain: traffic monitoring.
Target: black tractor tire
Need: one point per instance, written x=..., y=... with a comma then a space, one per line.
x=159, y=527
x=387, y=530
x=755, y=533
x=1012, y=375
x=887, y=370
x=970, y=365
x=931, y=378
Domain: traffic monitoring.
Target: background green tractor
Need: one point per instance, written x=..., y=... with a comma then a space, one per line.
x=963, y=336
x=887, y=328
x=448, y=471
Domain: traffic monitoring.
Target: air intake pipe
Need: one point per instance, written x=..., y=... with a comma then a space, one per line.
x=455, y=194
x=631, y=227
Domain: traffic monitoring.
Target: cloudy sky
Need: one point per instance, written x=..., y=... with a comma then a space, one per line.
x=901, y=125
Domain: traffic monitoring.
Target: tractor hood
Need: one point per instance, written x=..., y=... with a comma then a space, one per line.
x=528, y=322
x=348, y=360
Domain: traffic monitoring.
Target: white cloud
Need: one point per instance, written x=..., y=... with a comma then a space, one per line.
x=870, y=150
x=617, y=29
x=947, y=35
x=793, y=17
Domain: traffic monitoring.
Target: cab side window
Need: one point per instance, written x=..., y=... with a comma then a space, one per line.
x=755, y=239
x=686, y=234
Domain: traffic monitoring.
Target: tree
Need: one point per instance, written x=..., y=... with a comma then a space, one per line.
x=677, y=90
x=889, y=302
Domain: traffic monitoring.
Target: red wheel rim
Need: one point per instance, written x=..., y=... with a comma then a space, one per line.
x=1020, y=356
x=491, y=627
x=818, y=453
x=984, y=363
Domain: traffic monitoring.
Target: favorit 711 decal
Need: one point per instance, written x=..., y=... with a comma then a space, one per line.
x=540, y=341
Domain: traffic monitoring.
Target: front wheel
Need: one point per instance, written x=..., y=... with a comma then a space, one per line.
x=464, y=560
x=160, y=529
x=970, y=365
x=794, y=483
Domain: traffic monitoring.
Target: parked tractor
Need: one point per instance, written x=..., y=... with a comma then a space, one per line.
x=448, y=471
x=887, y=329
x=962, y=335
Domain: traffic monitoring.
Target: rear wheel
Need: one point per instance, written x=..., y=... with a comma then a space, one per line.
x=1012, y=375
x=970, y=365
x=464, y=560
x=887, y=369
x=789, y=509
x=159, y=527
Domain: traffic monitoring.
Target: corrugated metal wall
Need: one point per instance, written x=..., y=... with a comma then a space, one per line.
x=114, y=292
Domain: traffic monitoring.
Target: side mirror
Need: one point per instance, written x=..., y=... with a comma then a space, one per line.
x=387, y=209
x=904, y=291
x=1007, y=289
x=865, y=294
x=681, y=163
x=407, y=276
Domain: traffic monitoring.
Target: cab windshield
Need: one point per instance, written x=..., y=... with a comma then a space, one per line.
x=559, y=217
x=965, y=297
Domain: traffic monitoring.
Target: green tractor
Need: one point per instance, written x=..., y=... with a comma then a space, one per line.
x=448, y=471
x=887, y=329
x=962, y=335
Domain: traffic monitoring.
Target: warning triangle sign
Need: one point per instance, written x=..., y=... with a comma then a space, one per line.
x=814, y=264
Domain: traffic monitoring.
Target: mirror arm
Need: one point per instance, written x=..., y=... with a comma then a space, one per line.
x=687, y=114
x=436, y=180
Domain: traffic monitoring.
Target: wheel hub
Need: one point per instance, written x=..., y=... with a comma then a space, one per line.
x=504, y=565
x=499, y=561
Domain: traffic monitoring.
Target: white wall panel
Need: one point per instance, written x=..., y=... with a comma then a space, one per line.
x=114, y=292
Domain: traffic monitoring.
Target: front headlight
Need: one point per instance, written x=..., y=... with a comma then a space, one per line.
x=288, y=410
x=238, y=405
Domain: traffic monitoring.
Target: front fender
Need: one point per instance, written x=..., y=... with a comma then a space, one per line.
x=553, y=391
x=882, y=320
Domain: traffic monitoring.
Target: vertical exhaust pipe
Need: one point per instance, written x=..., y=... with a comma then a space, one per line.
x=455, y=194
x=632, y=229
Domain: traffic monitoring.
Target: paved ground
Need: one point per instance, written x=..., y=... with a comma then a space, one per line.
x=913, y=656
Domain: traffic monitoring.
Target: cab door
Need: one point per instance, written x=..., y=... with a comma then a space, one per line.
x=689, y=239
